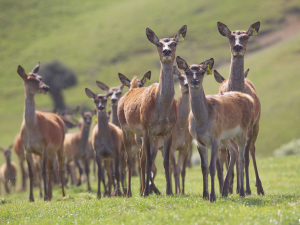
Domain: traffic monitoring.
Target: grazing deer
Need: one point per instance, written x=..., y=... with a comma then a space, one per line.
x=76, y=147
x=182, y=138
x=151, y=111
x=238, y=41
x=41, y=133
x=8, y=171
x=215, y=119
x=107, y=141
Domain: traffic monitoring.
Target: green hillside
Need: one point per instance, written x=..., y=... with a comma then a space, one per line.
x=98, y=39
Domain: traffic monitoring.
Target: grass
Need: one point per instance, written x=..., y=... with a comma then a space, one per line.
x=100, y=39
x=280, y=205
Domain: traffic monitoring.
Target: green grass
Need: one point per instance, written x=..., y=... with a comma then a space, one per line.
x=98, y=39
x=280, y=205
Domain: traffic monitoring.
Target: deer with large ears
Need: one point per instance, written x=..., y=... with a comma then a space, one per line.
x=238, y=41
x=151, y=111
x=215, y=119
x=107, y=141
x=41, y=133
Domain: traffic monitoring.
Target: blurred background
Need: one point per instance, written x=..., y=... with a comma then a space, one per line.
x=95, y=40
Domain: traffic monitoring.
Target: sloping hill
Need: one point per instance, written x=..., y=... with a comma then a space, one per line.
x=98, y=39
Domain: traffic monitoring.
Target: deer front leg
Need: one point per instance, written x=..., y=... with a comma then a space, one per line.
x=212, y=168
x=167, y=146
x=61, y=167
x=44, y=173
x=147, y=149
x=76, y=161
x=31, y=175
x=23, y=187
x=219, y=173
x=87, y=173
x=50, y=177
x=98, y=160
x=117, y=191
x=175, y=170
x=127, y=138
x=241, y=147
x=186, y=158
x=204, y=166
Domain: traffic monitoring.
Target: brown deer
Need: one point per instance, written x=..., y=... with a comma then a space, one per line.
x=107, y=141
x=182, y=138
x=151, y=111
x=238, y=41
x=8, y=171
x=76, y=147
x=216, y=119
x=41, y=133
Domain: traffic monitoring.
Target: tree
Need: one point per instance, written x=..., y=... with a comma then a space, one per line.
x=58, y=77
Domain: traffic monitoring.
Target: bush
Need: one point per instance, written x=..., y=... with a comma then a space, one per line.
x=291, y=148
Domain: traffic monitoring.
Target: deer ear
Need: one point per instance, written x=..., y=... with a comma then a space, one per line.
x=218, y=77
x=21, y=72
x=176, y=72
x=146, y=78
x=223, y=29
x=209, y=62
x=109, y=94
x=89, y=93
x=102, y=86
x=182, y=31
x=181, y=63
x=36, y=68
x=152, y=36
x=121, y=87
x=253, y=29
x=246, y=73
x=124, y=80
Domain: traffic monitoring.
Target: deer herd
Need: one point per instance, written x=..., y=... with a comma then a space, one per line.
x=145, y=120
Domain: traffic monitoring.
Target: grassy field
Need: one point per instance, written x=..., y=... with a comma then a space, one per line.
x=100, y=39
x=280, y=205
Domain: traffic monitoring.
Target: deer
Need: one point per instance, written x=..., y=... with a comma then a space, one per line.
x=224, y=153
x=215, y=120
x=151, y=111
x=8, y=171
x=42, y=133
x=107, y=141
x=238, y=41
x=76, y=147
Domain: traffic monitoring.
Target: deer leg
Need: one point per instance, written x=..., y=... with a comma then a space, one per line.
x=247, y=160
x=175, y=171
x=127, y=138
x=87, y=173
x=117, y=191
x=122, y=171
x=167, y=146
x=50, y=177
x=60, y=158
x=76, y=161
x=219, y=173
x=228, y=158
x=31, y=176
x=233, y=155
x=23, y=175
x=68, y=173
x=212, y=168
x=98, y=160
x=241, y=147
x=147, y=149
x=6, y=187
x=259, y=186
x=204, y=166
x=107, y=165
x=44, y=173
x=184, y=165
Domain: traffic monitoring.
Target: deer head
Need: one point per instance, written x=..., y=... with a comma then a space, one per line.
x=238, y=39
x=116, y=92
x=166, y=47
x=99, y=100
x=32, y=81
x=6, y=152
x=184, y=86
x=140, y=83
x=195, y=72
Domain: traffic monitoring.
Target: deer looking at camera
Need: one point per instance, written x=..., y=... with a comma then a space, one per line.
x=8, y=171
x=215, y=119
x=41, y=133
x=151, y=111
x=238, y=41
x=107, y=141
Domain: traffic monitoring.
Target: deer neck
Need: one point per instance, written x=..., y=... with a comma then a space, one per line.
x=29, y=111
x=114, y=111
x=84, y=136
x=165, y=91
x=103, y=127
x=8, y=162
x=183, y=110
x=199, y=105
x=236, y=81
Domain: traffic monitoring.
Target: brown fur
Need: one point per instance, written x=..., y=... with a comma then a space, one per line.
x=8, y=172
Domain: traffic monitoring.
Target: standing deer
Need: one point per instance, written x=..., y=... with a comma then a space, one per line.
x=76, y=147
x=107, y=141
x=8, y=171
x=238, y=41
x=41, y=133
x=151, y=111
x=216, y=119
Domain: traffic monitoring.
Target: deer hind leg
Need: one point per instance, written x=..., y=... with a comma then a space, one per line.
x=167, y=147
x=219, y=173
x=44, y=174
x=241, y=163
x=122, y=163
x=227, y=167
x=107, y=165
x=87, y=172
x=31, y=175
x=50, y=168
x=77, y=163
x=204, y=166
x=212, y=168
x=233, y=155
x=247, y=159
x=100, y=175
x=259, y=186
x=127, y=138
x=175, y=170
x=117, y=191
x=185, y=160
x=147, y=155
x=154, y=150
x=61, y=168
x=23, y=187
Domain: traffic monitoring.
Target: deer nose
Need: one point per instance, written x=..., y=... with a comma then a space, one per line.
x=195, y=82
x=167, y=52
x=114, y=100
x=238, y=48
x=101, y=107
x=186, y=85
x=46, y=88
